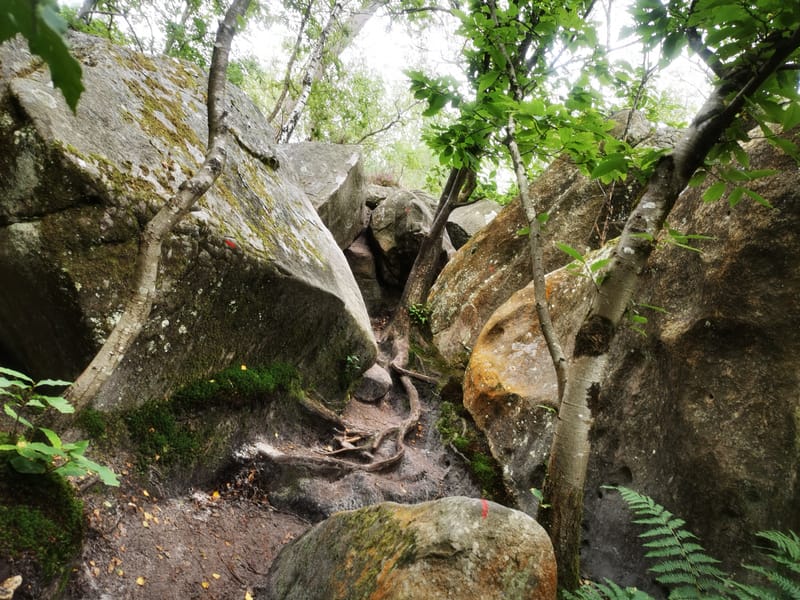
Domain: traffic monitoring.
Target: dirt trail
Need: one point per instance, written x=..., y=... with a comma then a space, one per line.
x=219, y=543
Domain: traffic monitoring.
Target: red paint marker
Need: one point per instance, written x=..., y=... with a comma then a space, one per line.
x=485, y=509
x=230, y=243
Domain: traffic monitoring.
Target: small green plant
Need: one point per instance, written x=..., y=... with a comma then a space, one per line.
x=420, y=314
x=637, y=320
x=44, y=451
x=582, y=266
x=684, y=567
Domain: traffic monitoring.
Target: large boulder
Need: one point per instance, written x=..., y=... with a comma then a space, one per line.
x=398, y=225
x=250, y=276
x=451, y=548
x=496, y=262
x=702, y=411
x=510, y=386
x=332, y=176
x=466, y=221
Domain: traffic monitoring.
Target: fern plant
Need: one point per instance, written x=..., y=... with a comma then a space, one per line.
x=682, y=565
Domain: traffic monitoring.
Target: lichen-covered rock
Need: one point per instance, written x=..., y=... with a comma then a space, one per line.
x=456, y=547
x=250, y=276
x=332, y=176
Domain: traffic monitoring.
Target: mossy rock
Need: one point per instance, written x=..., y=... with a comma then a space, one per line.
x=41, y=530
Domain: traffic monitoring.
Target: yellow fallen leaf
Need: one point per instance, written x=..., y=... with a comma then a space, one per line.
x=145, y=493
x=205, y=585
x=215, y=495
x=248, y=595
x=148, y=516
x=244, y=367
x=120, y=572
x=216, y=575
x=140, y=580
x=145, y=524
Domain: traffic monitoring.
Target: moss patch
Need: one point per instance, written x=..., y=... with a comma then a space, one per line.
x=184, y=429
x=458, y=430
x=41, y=522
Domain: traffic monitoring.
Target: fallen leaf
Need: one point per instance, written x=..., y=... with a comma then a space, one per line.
x=216, y=575
x=248, y=595
x=215, y=495
x=148, y=516
x=140, y=580
x=145, y=493
x=205, y=585
x=145, y=524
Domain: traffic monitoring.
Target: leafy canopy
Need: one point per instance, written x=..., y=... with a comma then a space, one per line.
x=40, y=23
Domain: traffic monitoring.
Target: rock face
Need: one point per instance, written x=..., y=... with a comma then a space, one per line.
x=466, y=221
x=496, y=261
x=332, y=177
x=251, y=276
x=702, y=413
x=510, y=386
x=398, y=225
x=451, y=548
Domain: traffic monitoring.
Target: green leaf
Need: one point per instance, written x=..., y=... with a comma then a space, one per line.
x=735, y=196
x=612, y=163
x=52, y=382
x=51, y=436
x=523, y=231
x=9, y=410
x=28, y=466
x=714, y=193
x=599, y=264
x=570, y=251
x=757, y=197
x=62, y=405
x=16, y=374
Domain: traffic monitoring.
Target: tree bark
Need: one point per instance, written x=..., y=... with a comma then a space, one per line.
x=563, y=491
x=137, y=309
x=314, y=64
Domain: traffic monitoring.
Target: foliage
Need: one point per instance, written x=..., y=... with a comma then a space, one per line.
x=41, y=518
x=45, y=451
x=420, y=314
x=682, y=565
x=41, y=25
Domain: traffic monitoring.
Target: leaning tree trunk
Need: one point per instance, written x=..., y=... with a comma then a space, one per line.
x=137, y=309
x=569, y=454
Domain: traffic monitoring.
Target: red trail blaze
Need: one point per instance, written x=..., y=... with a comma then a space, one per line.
x=485, y=509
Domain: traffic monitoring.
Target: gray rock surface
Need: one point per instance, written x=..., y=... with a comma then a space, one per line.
x=374, y=384
x=455, y=547
x=332, y=176
x=251, y=276
x=398, y=225
x=466, y=221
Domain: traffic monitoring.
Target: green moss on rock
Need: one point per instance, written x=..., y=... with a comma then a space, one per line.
x=41, y=521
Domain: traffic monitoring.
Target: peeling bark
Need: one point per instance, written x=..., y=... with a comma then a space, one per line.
x=137, y=309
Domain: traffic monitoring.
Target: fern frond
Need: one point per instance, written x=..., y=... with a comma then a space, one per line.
x=605, y=591
x=680, y=560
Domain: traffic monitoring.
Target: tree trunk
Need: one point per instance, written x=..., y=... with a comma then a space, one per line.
x=314, y=64
x=566, y=475
x=285, y=105
x=86, y=9
x=127, y=329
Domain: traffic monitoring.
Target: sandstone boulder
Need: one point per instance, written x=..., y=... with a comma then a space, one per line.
x=251, y=276
x=398, y=225
x=700, y=412
x=510, y=386
x=496, y=261
x=332, y=176
x=451, y=548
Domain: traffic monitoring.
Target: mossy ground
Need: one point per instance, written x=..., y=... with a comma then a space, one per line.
x=41, y=528
x=180, y=431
